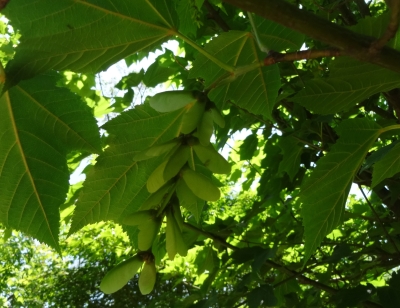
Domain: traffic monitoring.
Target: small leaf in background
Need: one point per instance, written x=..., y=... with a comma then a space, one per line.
x=352, y=297
x=206, y=260
x=243, y=255
x=261, y=296
x=59, y=34
x=389, y=295
x=349, y=83
x=259, y=260
x=377, y=156
x=339, y=252
x=386, y=167
x=291, y=156
x=248, y=147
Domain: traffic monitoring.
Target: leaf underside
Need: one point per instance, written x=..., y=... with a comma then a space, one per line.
x=38, y=129
x=116, y=186
x=84, y=36
x=324, y=193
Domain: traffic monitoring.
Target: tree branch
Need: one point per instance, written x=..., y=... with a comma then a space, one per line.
x=351, y=43
x=391, y=28
x=275, y=57
x=3, y=4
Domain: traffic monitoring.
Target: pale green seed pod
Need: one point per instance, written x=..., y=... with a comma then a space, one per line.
x=147, y=277
x=119, y=276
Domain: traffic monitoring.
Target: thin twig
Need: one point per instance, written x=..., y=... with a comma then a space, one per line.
x=275, y=57
x=315, y=147
x=391, y=28
x=379, y=219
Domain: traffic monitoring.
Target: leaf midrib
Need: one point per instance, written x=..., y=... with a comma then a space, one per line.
x=84, y=3
x=58, y=120
x=27, y=170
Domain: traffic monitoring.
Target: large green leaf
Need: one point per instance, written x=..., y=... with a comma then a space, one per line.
x=38, y=127
x=350, y=82
x=324, y=193
x=388, y=166
x=84, y=36
x=277, y=37
x=116, y=186
x=255, y=90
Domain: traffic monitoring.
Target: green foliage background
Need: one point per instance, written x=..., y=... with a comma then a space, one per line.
x=313, y=86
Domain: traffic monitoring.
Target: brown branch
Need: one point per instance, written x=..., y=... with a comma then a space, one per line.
x=391, y=28
x=379, y=219
x=3, y=4
x=213, y=14
x=351, y=43
x=275, y=57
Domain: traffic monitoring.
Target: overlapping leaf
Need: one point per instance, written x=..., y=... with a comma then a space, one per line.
x=116, y=186
x=350, y=82
x=277, y=37
x=388, y=166
x=291, y=156
x=255, y=90
x=40, y=123
x=376, y=27
x=324, y=193
x=84, y=36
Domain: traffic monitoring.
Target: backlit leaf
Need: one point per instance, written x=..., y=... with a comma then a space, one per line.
x=255, y=90
x=84, y=36
x=39, y=127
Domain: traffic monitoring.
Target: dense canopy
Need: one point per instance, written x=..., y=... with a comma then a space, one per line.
x=247, y=155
